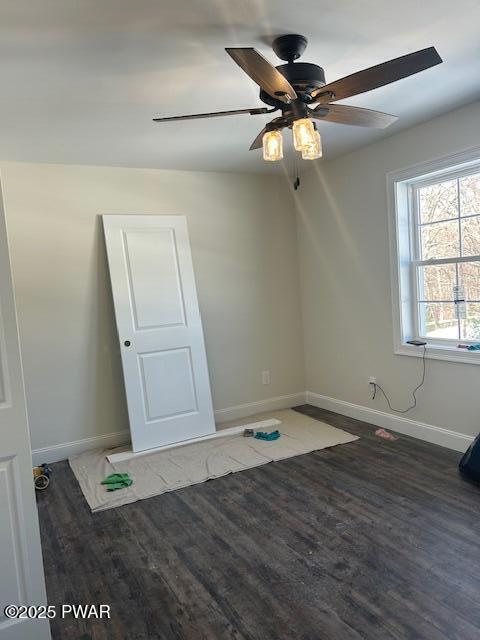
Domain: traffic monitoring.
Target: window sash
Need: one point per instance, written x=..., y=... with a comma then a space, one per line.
x=447, y=301
x=415, y=227
x=455, y=260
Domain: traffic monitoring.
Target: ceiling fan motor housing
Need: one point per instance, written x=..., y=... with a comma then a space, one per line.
x=303, y=75
x=304, y=78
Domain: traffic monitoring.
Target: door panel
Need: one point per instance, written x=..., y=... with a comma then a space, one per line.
x=159, y=329
x=154, y=278
x=172, y=370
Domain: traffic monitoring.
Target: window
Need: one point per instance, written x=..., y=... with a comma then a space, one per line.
x=446, y=265
x=436, y=258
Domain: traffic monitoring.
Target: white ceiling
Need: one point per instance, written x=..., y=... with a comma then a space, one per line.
x=81, y=79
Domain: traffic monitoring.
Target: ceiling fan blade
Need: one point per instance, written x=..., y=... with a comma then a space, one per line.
x=258, y=142
x=345, y=114
x=216, y=114
x=263, y=73
x=275, y=124
x=379, y=75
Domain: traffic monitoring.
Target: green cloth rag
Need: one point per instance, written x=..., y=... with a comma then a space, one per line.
x=117, y=481
x=263, y=435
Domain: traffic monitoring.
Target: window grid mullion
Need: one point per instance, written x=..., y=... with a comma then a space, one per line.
x=429, y=224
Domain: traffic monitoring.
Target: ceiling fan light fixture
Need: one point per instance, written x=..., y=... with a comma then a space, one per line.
x=272, y=146
x=314, y=151
x=303, y=134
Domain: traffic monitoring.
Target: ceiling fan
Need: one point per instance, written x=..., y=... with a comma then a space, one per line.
x=294, y=87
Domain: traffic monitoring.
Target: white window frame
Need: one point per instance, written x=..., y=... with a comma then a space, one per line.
x=402, y=188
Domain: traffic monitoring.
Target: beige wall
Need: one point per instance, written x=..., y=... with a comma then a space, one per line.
x=243, y=236
x=344, y=264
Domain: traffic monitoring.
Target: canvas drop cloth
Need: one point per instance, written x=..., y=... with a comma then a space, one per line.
x=157, y=473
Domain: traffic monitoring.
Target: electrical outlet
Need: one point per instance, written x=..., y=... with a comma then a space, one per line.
x=265, y=377
x=372, y=380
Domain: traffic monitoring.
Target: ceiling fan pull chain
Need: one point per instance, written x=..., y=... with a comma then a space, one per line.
x=296, y=182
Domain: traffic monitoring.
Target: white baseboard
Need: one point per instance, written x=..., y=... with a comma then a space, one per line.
x=251, y=408
x=65, y=450
x=422, y=431
x=430, y=433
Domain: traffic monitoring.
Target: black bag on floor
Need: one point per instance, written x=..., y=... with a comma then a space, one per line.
x=470, y=463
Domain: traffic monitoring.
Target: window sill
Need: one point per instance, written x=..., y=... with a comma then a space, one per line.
x=440, y=352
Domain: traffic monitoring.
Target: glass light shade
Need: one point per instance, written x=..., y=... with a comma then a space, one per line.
x=272, y=146
x=313, y=151
x=303, y=134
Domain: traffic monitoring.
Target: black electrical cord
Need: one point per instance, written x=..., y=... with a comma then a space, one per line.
x=376, y=385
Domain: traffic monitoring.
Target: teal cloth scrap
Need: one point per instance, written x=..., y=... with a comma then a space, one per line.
x=263, y=435
x=117, y=481
x=474, y=347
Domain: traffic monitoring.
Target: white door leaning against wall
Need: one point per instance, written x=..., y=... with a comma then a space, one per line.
x=159, y=329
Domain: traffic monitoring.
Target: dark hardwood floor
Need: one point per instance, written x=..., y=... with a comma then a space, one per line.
x=371, y=539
